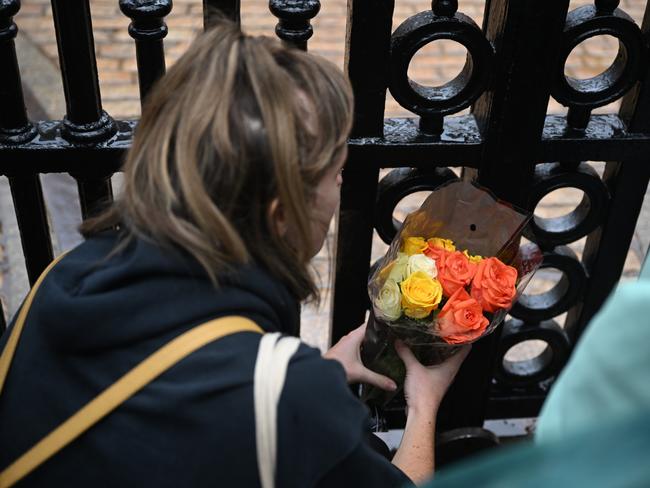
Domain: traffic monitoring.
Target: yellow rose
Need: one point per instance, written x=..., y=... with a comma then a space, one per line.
x=387, y=303
x=414, y=245
x=421, y=294
x=472, y=259
x=446, y=244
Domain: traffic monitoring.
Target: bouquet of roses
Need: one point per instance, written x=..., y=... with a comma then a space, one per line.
x=450, y=276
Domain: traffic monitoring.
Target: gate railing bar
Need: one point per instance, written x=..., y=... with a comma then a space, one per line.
x=627, y=179
x=15, y=129
x=367, y=52
x=607, y=138
x=526, y=36
x=148, y=29
x=14, y=125
x=50, y=153
x=32, y=221
x=519, y=404
x=95, y=193
x=85, y=121
x=366, y=64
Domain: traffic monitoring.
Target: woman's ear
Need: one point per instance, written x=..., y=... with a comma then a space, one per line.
x=277, y=219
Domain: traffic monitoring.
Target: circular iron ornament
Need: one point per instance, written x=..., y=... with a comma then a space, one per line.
x=398, y=184
x=586, y=22
x=551, y=232
x=529, y=372
x=562, y=296
x=459, y=93
x=456, y=444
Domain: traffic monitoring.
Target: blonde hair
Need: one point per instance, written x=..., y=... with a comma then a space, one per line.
x=236, y=122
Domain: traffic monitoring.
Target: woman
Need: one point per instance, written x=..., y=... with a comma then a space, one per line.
x=230, y=186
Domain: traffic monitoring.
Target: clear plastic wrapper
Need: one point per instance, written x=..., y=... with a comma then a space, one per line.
x=450, y=276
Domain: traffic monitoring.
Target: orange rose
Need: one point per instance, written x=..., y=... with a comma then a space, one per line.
x=446, y=244
x=461, y=319
x=494, y=284
x=456, y=273
x=437, y=254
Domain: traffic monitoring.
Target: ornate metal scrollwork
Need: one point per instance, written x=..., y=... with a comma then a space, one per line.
x=564, y=295
x=583, y=95
x=395, y=186
x=455, y=444
x=433, y=103
x=550, y=232
x=531, y=371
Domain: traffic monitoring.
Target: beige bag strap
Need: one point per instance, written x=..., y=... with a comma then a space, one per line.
x=271, y=366
x=117, y=393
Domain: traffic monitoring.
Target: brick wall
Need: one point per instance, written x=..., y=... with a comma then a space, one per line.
x=434, y=65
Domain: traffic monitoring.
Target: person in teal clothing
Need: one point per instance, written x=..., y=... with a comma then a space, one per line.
x=608, y=375
x=594, y=428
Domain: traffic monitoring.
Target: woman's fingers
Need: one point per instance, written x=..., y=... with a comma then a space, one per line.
x=405, y=354
x=358, y=333
x=376, y=379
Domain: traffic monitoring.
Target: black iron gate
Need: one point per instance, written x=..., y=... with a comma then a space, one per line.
x=515, y=64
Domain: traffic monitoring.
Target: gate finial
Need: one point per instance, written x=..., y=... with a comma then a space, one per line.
x=606, y=6
x=444, y=8
x=147, y=18
x=294, y=15
x=148, y=28
x=15, y=128
x=8, y=29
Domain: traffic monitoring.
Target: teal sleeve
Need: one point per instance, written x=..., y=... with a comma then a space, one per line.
x=612, y=455
x=608, y=375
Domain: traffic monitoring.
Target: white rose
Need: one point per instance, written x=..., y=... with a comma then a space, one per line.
x=389, y=301
x=420, y=262
x=398, y=271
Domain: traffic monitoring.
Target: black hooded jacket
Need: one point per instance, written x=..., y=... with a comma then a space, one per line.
x=98, y=315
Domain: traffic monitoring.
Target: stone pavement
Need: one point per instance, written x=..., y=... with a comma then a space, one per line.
x=434, y=65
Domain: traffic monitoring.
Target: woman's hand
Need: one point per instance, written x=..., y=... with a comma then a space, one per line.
x=425, y=386
x=347, y=352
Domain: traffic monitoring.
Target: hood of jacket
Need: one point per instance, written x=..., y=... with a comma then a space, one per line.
x=96, y=298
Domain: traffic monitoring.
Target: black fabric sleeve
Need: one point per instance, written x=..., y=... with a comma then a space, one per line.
x=365, y=467
x=322, y=430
